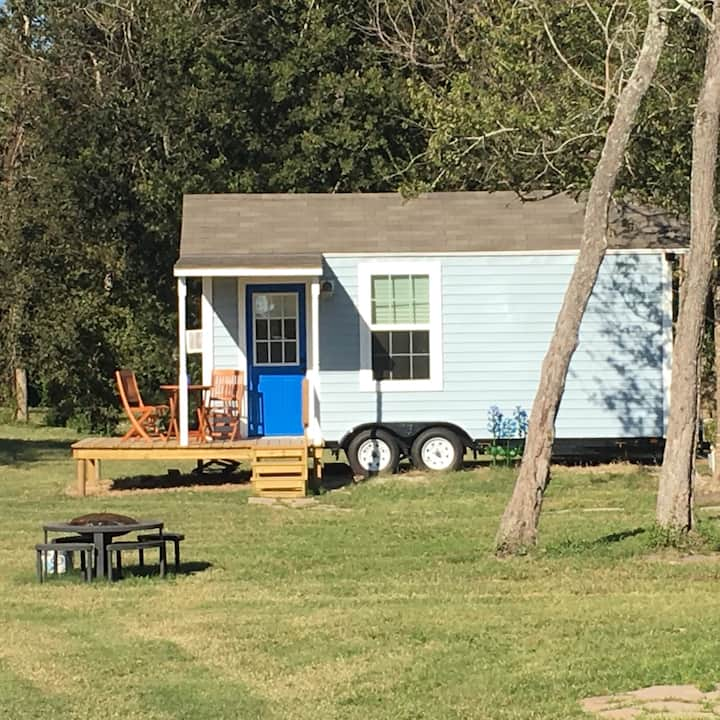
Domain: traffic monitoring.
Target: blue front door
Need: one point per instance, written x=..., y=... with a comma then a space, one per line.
x=277, y=362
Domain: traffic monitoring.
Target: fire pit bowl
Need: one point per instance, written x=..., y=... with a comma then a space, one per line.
x=103, y=519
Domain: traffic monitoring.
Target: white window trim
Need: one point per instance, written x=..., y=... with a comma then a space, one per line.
x=406, y=267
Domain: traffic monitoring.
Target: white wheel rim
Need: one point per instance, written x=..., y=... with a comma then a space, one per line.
x=374, y=455
x=438, y=453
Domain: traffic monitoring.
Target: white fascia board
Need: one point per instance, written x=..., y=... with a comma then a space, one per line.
x=499, y=253
x=248, y=272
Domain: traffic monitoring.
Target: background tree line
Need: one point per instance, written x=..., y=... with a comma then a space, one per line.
x=109, y=112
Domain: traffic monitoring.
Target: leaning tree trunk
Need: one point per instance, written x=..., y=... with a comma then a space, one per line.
x=518, y=527
x=716, y=336
x=674, y=500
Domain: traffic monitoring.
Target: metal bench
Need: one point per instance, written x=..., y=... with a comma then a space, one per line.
x=75, y=539
x=174, y=538
x=140, y=545
x=68, y=545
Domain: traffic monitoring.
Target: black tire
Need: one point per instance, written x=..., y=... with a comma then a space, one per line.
x=377, y=444
x=438, y=449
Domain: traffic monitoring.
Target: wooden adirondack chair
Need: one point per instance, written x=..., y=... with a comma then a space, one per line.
x=143, y=418
x=221, y=412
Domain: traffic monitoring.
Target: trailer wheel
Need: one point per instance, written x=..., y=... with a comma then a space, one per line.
x=373, y=451
x=438, y=449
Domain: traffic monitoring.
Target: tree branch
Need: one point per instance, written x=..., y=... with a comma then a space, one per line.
x=694, y=10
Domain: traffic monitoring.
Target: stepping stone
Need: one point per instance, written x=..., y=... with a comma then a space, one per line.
x=626, y=713
x=669, y=692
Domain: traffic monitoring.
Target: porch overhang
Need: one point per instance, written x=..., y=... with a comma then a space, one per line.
x=246, y=265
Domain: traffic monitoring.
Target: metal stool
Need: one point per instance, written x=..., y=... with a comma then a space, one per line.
x=41, y=550
x=119, y=547
x=74, y=539
x=174, y=538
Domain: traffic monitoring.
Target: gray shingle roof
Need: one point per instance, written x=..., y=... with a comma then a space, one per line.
x=293, y=230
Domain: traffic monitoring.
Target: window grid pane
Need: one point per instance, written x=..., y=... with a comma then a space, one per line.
x=276, y=328
x=398, y=355
x=400, y=299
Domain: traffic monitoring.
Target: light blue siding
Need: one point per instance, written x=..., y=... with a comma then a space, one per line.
x=498, y=315
x=225, y=323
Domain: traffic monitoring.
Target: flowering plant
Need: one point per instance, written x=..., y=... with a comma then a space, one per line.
x=508, y=433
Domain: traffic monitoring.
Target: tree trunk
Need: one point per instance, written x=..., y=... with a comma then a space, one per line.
x=21, y=399
x=674, y=501
x=11, y=151
x=716, y=333
x=518, y=527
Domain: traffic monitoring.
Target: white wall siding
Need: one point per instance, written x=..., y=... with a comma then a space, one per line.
x=225, y=323
x=498, y=314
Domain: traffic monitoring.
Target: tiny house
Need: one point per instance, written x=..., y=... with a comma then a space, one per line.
x=411, y=318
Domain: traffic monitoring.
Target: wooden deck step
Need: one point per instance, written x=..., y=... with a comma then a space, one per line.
x=280, y=471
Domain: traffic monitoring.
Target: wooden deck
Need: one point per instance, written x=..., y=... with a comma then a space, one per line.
x=90, y=452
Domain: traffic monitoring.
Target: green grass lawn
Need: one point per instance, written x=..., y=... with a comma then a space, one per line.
x=382, y=601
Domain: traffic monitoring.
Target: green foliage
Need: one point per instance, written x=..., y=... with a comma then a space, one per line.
x=522, y=95
x=671, y=538
x=126, y=106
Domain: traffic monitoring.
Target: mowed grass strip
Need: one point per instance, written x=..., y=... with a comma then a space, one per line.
x=386, y=602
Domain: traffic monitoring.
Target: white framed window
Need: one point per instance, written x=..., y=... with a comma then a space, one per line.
x=400, y=326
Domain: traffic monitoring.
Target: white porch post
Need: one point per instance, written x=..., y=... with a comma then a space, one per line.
x=182, y=364
x=206, y=323
x=315, y=434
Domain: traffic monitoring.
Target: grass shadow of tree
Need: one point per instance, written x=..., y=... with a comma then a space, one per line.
x=576, y=546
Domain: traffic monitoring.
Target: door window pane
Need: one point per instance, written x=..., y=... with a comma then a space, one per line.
x=261, y=329
x=261, y=352
x=275, y=323
x=262, y=306
x=276, y=306
x=276, y=353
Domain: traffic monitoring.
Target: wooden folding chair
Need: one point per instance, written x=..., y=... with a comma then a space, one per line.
x=143, y=418
x=221, y=411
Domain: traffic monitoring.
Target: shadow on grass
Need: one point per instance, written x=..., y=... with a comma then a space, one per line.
x=17, y=451
x=186, y=568
x=131, y=571
x=619, y=536
x=573, y=546
x=336, y=475
x=179, y=480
